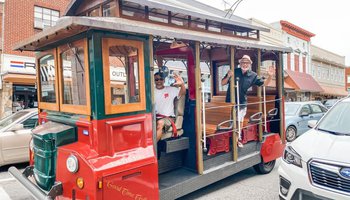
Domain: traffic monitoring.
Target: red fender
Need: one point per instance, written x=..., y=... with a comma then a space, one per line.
x=272, y=148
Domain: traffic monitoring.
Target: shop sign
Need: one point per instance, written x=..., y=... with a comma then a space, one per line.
x=117, y=74
x=19, y=64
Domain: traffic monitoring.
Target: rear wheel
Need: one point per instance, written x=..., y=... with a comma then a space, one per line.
x=264, y=168
x=291, y=133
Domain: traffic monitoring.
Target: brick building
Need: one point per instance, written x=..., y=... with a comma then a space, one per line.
x=19, y=20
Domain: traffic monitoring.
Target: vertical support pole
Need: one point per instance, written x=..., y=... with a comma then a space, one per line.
x=280, y=86
x=198, y=110
x=154, y=126
x=233, y=100
x=258, y=71
x=211, y=75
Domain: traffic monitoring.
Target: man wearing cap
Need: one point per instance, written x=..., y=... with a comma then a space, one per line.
x=247, y=79
x=164, y=101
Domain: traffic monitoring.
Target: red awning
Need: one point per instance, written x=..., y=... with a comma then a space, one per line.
x=334, y=90
x=302, y=82
x=272, y=84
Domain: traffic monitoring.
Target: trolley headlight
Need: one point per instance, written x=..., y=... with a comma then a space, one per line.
x=290, y=156
x=72, y=164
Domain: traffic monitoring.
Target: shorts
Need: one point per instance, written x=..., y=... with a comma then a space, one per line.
x=241, y=114
x=167, y=123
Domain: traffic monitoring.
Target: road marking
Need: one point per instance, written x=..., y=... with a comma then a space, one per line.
x=3, y=194
x=7, y=180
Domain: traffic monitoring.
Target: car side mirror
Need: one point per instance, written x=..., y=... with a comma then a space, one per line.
x=304, y=114
x=311, y=123
x=16, y=127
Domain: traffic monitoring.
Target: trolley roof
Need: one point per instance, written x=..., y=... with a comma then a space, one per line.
x=70, y=26
x=188, y=7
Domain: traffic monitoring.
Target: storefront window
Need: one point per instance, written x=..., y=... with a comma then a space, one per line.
x=47, y=79
x=73, y=70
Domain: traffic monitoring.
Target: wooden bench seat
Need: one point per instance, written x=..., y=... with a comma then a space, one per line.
x=222, y=111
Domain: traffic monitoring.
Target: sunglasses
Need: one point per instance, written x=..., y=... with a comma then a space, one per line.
x=159, y=79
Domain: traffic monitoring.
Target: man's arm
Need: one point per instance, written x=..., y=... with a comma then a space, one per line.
x=270, y=72
x=226, y=79
x=180, y=83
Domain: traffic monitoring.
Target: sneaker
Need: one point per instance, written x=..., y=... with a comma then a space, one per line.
x=239, y=144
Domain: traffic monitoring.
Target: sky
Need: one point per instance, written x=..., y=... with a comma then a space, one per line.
x=329, y=20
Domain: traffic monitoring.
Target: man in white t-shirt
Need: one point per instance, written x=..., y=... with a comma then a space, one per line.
x=164, y=101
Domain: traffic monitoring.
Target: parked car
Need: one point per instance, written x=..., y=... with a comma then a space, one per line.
x=297, y=116
x=15, y=135
x=316, y=165
x=330, y=102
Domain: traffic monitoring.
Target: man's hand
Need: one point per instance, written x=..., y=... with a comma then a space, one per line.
x=271, y=71
x=178, y=80
x=229, y=73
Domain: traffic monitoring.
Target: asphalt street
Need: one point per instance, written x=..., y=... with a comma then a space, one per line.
x=246, y=185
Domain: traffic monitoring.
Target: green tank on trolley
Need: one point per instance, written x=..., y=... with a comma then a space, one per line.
x=46, y=138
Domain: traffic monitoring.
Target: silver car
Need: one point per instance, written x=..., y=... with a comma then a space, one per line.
x=15, y=135
x=297, y=116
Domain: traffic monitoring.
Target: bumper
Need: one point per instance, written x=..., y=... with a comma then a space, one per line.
x=299, y=185
x=35, y=190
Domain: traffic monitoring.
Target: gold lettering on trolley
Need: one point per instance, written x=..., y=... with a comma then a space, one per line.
x=125, y=191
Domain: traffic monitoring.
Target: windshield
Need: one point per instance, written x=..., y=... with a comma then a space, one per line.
x=8, y=120
x=337, y=120
x=331, y=102
x=291, y=109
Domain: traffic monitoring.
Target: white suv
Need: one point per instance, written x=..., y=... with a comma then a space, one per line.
x=317, y=164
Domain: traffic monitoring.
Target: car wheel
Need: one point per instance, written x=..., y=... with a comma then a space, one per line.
x=264, y=168
x=291, y=133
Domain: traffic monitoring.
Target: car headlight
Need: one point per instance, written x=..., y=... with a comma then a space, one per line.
x=290, y=156
x=72, y=164
x=31, y=145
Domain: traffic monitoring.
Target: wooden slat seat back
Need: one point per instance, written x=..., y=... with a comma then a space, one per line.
x=222, y=111
x=254, y=108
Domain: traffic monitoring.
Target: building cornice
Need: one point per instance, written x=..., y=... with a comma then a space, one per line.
x=323, y=60
x=296, y=31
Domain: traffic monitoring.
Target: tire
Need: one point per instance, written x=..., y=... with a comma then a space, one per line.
x=264, y=168
x=291, y=133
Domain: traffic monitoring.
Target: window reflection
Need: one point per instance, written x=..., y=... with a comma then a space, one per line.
x=109, y=9
x=222, y=71
x=47, y=79
x=94, y=13
x=74, y=85
x=124, y=77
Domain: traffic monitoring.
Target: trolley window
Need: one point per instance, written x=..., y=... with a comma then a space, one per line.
x=47, y=80
x=74, y=84
x=123, y=65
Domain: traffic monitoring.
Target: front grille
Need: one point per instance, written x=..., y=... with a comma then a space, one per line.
x=327, y=176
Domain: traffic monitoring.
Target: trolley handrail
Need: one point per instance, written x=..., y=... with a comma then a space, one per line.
x=268, y=101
